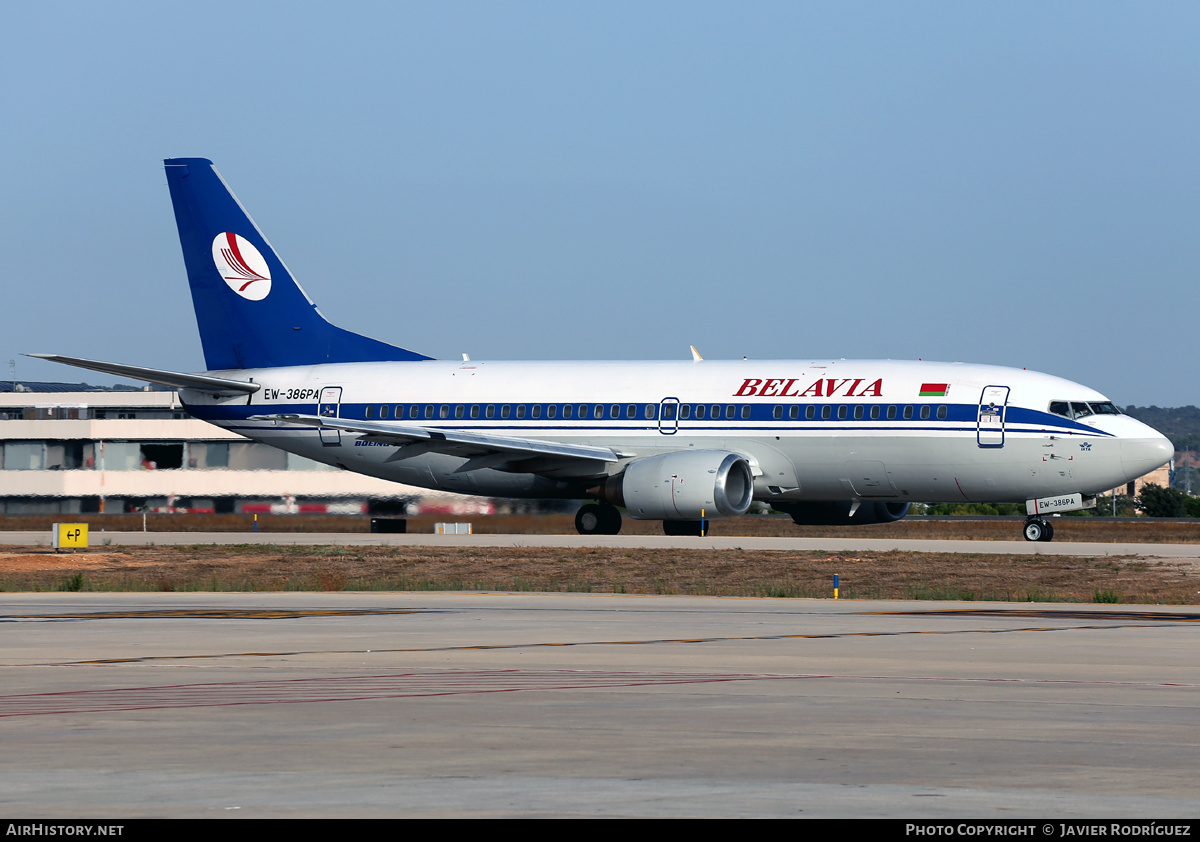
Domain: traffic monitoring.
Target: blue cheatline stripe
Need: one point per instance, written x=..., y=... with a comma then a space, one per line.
x=525, y=431
x=959, y=418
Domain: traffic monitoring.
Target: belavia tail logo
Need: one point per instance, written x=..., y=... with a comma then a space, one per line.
x=242, y=266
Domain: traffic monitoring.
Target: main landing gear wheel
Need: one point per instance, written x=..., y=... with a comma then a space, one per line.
x=1037, y=529
x=597, y=519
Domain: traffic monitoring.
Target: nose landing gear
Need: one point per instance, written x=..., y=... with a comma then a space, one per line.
x=1038, y=529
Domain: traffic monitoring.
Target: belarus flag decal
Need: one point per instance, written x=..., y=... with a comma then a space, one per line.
x=934, y=390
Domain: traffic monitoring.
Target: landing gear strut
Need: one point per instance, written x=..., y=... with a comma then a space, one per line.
x=598, y=519
x=1038, y=529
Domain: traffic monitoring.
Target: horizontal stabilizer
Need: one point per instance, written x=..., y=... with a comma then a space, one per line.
x=202, y=382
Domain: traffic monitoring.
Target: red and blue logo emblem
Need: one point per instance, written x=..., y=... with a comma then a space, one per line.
x=242, y=266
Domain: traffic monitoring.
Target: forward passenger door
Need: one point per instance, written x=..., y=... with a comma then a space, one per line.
x=993, y=404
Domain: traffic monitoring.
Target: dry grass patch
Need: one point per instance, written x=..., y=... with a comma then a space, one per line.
x=891, y=575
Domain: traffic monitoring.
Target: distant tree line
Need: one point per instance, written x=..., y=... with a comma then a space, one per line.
x=1156, y=501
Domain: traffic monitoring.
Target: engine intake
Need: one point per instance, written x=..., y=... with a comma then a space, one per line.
x=681, y=485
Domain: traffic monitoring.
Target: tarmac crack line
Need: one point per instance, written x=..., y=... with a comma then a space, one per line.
x=429, y=683
x=561, y=644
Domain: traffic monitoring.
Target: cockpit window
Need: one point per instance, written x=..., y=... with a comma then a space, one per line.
x=1079, y=409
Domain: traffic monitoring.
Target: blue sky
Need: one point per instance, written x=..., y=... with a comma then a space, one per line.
x=1010, y=183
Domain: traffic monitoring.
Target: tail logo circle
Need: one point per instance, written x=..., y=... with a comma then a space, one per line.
x=242, y=266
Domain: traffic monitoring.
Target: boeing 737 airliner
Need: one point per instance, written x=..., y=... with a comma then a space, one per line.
x=826, y=441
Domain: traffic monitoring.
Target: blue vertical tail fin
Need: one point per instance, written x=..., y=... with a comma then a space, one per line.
x=250, y=311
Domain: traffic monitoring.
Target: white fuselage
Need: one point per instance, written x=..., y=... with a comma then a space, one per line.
x=823, y=430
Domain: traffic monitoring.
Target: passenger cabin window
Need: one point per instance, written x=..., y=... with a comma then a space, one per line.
x=793, y=412
x=685, y=411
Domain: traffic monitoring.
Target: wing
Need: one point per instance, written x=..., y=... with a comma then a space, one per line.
x=504, y=453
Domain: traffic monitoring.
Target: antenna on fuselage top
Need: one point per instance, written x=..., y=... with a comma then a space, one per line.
x=695, y=354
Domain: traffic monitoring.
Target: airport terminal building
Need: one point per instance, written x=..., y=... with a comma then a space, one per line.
x=71, y=448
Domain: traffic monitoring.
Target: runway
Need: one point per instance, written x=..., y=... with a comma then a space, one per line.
x=458, y=704
x=1018, y=547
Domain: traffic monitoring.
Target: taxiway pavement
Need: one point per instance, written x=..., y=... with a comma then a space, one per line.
x=458, y=704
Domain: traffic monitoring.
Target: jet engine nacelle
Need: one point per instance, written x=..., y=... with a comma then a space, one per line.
x=837, y=513
x=682, y=485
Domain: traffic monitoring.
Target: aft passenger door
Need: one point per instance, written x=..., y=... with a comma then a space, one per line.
x=330, y=406
x=989, y=429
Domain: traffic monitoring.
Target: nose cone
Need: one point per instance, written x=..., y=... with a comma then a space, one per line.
x=1143, y=449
